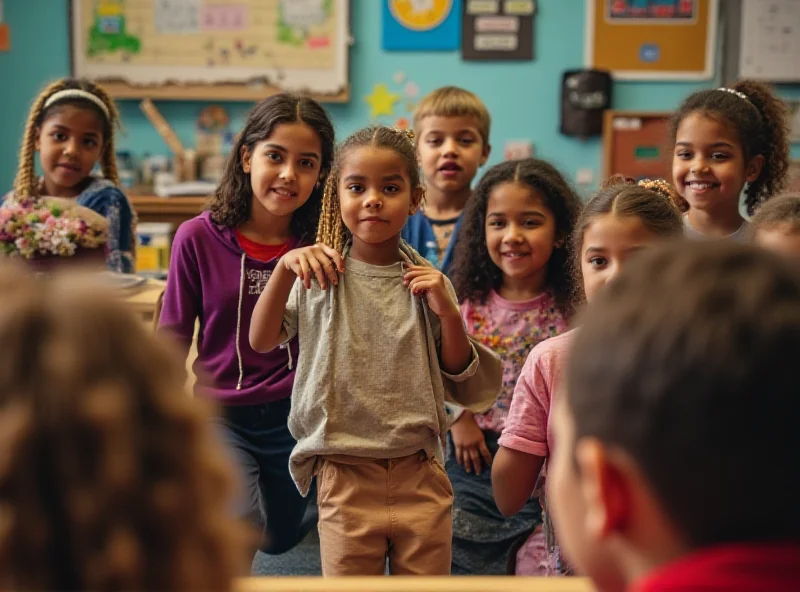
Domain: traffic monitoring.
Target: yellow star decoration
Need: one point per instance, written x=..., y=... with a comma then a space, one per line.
x=381, y=100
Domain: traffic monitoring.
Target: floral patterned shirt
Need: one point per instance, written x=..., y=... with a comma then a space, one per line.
x=510, y=329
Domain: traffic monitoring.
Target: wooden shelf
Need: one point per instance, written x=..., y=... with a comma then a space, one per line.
x=208, y=92
x=175, y=210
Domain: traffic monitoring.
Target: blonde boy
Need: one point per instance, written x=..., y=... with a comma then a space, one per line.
x=452, y=127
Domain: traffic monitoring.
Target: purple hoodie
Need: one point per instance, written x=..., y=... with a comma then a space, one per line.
x=212, y=279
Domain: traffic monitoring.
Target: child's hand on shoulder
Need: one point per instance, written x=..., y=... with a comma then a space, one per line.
x=318, y=261
x=430, y=282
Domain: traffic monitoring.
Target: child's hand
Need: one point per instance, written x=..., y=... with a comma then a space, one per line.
x=318, y=261
x=470, y=444
x=422, y=279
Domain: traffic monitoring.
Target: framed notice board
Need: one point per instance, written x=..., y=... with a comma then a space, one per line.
x=636, y=144
x=212, y=50
x=652, y=39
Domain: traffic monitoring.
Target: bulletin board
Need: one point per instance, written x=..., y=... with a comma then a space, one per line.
x=212, y=49
x=652, y=39
x=636, y=144
x=770, y=40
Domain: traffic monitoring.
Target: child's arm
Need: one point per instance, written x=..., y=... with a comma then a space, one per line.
x=318, y=261
x=456, y=351
x=523, y=443
x=470, y=443
x=514, y=475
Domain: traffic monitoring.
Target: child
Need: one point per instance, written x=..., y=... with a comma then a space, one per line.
x=776, y=226
x=382, y=344
x=683, y=378
x=112, y=478
x=620, y=220
x=453, y=128
x=728, y=141
x=71, y=125
x=513, y=276
x=267, y=204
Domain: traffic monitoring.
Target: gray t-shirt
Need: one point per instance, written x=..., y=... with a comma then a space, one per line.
x=740, y=235
x=368, y=382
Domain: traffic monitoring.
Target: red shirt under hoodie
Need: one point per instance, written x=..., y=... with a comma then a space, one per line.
x=730, y=568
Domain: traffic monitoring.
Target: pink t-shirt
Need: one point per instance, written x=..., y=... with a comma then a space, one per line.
x=511, y=329
x=528, y=430
x=528, y=422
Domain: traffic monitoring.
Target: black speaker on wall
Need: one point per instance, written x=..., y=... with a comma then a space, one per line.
x=585, y=94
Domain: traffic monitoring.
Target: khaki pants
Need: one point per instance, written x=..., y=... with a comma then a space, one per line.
x=373, y=509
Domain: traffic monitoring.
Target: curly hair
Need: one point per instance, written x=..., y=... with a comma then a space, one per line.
x=233, y=199
x=27, y=183
x=332, y=231
x=760, y=119
x=474, y=273
x=110, y=475
x=654, y=202
x=781, y=212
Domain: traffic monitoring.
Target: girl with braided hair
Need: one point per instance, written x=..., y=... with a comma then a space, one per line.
x=621, y=219
x=382, y=344
x=71, y=125
x=731, y=154
x=266, y=204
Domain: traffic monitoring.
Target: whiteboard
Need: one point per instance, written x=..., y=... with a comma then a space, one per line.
x=770, y=40
x=299, y=45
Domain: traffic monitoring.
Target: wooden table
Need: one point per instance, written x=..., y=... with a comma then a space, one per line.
x=414, y=584
x=142, y=300
x=175, y=210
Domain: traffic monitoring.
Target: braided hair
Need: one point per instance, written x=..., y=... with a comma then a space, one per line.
x=331, y=230
x=26, y=184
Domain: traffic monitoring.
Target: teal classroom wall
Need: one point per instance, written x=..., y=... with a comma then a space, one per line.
x=523, y=98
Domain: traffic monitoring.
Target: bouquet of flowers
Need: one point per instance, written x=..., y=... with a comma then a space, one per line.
x=48, y=227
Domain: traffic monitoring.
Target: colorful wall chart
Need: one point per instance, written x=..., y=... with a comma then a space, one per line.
x=425, y=25
x=652, y=39
x=295, y=43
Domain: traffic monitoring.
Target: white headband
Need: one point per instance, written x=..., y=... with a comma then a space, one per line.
x=76, y=93
x=741, y=95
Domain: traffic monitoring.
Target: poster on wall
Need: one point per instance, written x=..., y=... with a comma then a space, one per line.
x=652, y=39
x=498, y=30
x=770, y=40
x=652, y=10
x=5, y=41
x=421, y=25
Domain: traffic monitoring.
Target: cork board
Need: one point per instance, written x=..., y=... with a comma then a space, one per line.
x=652, y=39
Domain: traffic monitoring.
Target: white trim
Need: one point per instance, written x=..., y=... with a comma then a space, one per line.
x=666, y=75
x=324, y=81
